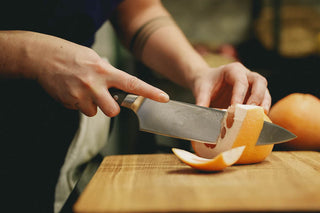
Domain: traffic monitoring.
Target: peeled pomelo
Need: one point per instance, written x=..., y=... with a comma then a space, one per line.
x=218, y=163
x=241, y=126
x=300, y=114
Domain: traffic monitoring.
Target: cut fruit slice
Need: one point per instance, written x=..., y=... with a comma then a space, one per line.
x=241, y=126
x=218, y=163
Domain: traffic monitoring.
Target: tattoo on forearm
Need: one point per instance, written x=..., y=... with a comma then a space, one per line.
x=144, y=32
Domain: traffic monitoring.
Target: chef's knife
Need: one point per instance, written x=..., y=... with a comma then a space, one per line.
x=188, y=121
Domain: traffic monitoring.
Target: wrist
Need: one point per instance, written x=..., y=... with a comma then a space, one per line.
x=194, y=71
x=16, y=48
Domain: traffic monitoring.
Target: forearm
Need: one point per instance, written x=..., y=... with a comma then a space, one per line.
x=157, y=41
x=26, y=54
x=168, y=52
x=15, y=52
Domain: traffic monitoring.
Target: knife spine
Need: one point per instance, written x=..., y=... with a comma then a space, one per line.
x=132, y=102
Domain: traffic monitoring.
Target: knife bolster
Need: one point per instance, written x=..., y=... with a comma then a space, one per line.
x=132, y=102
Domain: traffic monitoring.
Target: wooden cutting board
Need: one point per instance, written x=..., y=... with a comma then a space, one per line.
x=285, y=181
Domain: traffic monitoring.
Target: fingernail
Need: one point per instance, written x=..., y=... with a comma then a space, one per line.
x=164, y=97
x=266, y=108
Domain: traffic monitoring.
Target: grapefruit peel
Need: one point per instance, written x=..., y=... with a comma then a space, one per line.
x=218, y=163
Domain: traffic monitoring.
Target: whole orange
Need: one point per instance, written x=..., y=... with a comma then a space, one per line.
x=300, y=114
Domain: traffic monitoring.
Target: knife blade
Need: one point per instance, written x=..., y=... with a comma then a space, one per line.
x=188, y=121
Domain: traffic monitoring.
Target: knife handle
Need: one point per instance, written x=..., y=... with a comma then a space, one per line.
x=127, y=100
x=118, y=95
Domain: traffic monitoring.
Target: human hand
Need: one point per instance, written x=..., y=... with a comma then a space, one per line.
x=78, y=78
x=229, y=84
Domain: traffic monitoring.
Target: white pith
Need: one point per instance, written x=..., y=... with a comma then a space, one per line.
x=226, y=143
x=232, y=155
x=192, y=158
x=229, y=157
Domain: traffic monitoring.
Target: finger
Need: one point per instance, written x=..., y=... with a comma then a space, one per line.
x=87, y=107
x=70, y=106
x=236, y=75
x=132, y=84
x=106, y=103
x=78, y=100
x=266, y=103
x=239, y=92
x=258, y=88
x=203, y=96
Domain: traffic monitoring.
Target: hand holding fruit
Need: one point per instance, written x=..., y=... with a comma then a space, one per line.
x=229, y=84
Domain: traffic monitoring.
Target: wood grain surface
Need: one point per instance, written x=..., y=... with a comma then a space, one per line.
x=285, y=181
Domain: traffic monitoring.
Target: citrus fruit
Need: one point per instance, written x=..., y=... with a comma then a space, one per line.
x=241, y=126
x=218, y=163
x=300, y=114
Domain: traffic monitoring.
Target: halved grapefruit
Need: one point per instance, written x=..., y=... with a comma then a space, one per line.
x=241, y=126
